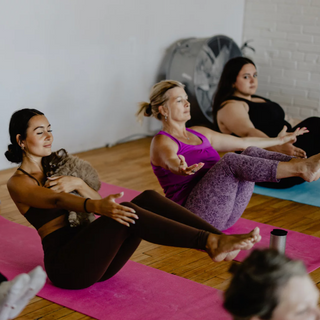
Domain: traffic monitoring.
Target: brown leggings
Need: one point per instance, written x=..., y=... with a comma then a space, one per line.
x=76, y=259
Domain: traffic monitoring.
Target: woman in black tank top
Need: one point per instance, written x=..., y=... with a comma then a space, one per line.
x=237, y=111
x=76, y=258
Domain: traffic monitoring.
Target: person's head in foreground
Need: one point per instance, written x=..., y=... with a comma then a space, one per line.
x=269, y=285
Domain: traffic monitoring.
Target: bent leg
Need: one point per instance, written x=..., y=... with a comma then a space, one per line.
x=224, y=192
x=265, y=154
x=127, y=249
x=105, y=244
x=309, y=142
x=262, y=153
x=156, y=203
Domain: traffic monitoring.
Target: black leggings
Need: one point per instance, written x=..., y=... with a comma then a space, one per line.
x=309, y=142
x=76, y=259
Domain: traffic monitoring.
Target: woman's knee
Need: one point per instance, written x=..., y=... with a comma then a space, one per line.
x=145, y=196
x=230, y=158
x=129, y=204
x=250, y=150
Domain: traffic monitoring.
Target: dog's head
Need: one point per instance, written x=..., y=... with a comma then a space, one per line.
x=53, y=162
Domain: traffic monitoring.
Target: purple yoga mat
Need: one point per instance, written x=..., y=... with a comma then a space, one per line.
x=299, y=245
x=137, y=292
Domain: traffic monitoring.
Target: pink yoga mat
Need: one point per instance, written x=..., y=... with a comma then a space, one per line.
x=299, y=245
x=107, y=189
x=137, y=292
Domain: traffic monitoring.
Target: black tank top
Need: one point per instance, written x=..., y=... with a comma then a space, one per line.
x=266, y=116
x=39, y=217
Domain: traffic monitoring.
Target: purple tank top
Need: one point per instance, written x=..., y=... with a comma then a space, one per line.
x=177, y=188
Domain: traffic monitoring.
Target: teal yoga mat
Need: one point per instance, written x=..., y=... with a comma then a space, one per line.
x=306, y=193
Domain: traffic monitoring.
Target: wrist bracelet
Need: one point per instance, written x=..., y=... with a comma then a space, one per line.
x=85, y=205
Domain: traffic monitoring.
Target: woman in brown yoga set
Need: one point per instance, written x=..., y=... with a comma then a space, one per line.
x=76, y=258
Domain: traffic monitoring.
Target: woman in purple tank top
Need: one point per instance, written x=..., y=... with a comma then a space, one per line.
x=188, y=167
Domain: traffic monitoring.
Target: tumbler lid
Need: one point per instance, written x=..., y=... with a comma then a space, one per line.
x=279, y=232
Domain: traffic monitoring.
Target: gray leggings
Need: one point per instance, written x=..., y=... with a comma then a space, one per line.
x=224, y=192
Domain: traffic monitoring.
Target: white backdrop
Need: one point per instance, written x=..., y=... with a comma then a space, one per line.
x=87, y=63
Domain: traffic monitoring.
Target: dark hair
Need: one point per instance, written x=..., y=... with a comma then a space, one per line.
x=19, y=124
x=225, y=85
x=254, y=288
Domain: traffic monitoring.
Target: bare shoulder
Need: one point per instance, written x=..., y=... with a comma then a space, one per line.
x=234, y=105
x=162, y=141
x=162, y=148
x=20, y=181
x=15, y=179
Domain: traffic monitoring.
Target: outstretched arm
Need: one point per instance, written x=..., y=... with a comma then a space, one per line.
x=234, y=118
x=163, y=153
x=224, y=142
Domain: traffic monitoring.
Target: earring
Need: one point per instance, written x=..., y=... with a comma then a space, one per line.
x=165, y=118
x=22, y=147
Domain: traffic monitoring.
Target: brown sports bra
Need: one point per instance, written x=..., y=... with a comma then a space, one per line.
x=39, y=217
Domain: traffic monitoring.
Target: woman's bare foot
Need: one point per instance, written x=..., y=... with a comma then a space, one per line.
x=226, y=247
x=310, y=168
x=307, y=169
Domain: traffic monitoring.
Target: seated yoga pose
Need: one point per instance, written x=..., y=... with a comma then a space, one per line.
x=188, y=166
x=237, y=111
x=76, y=258
x=268, y=285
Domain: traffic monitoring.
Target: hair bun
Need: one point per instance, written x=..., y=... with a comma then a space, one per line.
x=148, y=110
x=13, y=154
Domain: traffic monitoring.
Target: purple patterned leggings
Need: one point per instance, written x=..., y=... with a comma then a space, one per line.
x=223, y=193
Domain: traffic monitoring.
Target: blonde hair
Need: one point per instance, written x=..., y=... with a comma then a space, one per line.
x=158, y=97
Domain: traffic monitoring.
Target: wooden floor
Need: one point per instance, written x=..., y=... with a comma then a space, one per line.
x=128, y=165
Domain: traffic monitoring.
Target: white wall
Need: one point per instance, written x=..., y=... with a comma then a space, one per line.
x=286, y=37
x=87, y=63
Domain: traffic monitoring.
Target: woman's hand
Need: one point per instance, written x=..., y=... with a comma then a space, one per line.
x=291, y=136
x=65, y=184
x=185, y=170
x=115, y=211
x=288, y=138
